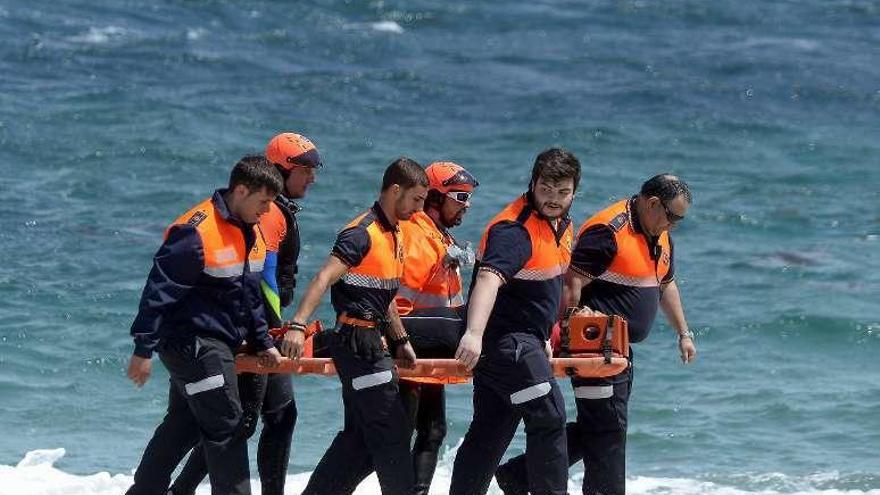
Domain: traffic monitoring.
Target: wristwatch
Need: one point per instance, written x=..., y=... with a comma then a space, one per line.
x=687, y=334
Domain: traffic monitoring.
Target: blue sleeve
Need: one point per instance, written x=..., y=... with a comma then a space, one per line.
x=177, y=267
x=270, y=267
x=508, y=249
x=352, y=244
x=670, y=275
x=595, y=250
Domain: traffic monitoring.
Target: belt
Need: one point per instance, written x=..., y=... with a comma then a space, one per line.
x=356, y=322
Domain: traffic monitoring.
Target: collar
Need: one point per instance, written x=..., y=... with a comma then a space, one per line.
x=443, y=230
x=288, y=203
x=633, y=214
x=382, y=219
x=560, y=227
x=223, y=209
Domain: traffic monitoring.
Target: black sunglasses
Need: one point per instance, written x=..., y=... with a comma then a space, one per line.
x=671, y=217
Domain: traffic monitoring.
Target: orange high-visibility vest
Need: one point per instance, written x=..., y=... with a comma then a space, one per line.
x=427, y=282
x=382, y=266
x=223, y=242
x=549, y=258
x=633, y=265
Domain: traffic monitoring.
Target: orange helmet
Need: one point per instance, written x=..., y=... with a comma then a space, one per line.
x=288, y=150
x=449, y=176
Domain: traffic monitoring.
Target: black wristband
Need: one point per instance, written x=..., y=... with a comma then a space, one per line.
x=398, y=342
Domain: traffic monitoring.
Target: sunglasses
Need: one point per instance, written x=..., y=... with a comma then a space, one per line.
x=460, y=196
x=671, y=217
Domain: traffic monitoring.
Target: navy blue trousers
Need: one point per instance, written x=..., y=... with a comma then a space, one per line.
x=513, y=381
x=376, y=432
x=598, y=437
x=203, y=407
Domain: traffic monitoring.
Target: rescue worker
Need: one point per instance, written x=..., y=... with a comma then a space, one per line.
x=513, y=304
x=201, y=299
x=271, y=395
x=623, y=264
x=431, y=306
x=363, y=274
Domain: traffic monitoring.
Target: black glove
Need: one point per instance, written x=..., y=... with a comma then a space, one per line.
x=286, y=296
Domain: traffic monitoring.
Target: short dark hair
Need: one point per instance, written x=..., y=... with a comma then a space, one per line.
x=666, y=187
x=556, y=164
x=255, y=173
x=404, y=172
x=434, y=199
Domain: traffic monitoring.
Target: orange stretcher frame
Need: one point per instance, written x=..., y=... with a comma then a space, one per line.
x=596, y=346
x=433, y=368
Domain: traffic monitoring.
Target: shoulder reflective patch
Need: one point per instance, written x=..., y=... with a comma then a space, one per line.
x=204, y=385
x=225, y=255
x=594, y=392
x=371, y=380
x=197, y=218
x=618, y=222
x=529, y=393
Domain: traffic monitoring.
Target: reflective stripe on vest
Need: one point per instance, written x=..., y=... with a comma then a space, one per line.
x=382, y=266
x=223, y=243
x=425, y=300
x=549, y=259
x=633, y=265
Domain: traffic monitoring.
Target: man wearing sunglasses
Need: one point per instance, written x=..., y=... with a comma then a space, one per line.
x=431, y=305
x=622, y=264
x=271, y=396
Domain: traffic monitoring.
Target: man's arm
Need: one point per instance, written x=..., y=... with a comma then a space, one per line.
x=333, y=270
x=670, y=303
x=592, y=255
x=574, y=283
x=480, y=307
x=177, y=266
x=508, y=248
x=397, y=333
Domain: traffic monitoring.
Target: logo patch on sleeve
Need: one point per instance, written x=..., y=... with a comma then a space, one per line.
x=618, y=222
x=197, y=218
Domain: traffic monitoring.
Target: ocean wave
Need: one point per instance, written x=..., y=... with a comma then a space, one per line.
x=36, y=474
x=99, y=36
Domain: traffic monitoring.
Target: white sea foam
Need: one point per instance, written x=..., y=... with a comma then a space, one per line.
x=36, y=475
x=387, y=27
x=194, y=34
x=99, y=35
x=801, y=44
x=381, y=26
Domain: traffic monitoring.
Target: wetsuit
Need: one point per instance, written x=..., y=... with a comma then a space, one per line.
x=431, y=307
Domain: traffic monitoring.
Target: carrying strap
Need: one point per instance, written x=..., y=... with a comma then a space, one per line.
x=609, y=337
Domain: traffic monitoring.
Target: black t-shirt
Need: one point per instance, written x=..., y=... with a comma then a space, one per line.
x=522, y=305
x=353, y=294
x=595, y=250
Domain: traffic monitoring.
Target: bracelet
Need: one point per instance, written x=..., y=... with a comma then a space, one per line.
x=295, y=325
x=687, y=334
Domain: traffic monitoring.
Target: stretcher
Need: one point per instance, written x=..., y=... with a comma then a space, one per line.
x=592, y=346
